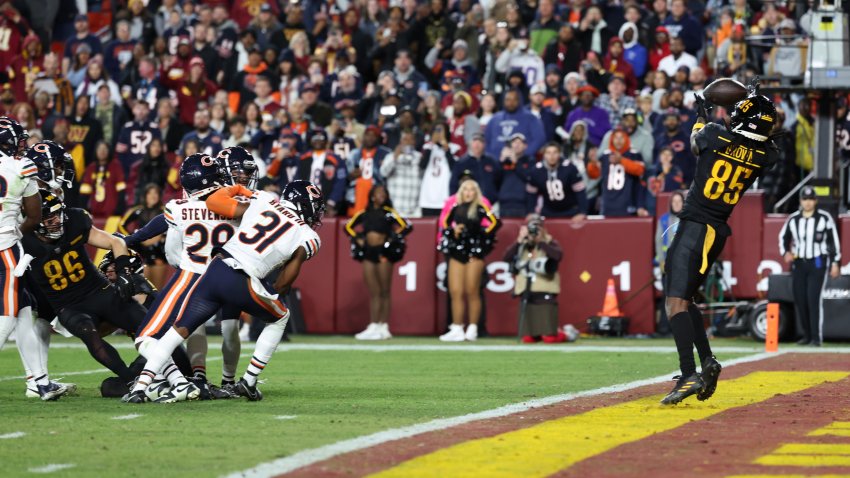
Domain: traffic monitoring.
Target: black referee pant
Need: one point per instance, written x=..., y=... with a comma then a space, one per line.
x=808, y=276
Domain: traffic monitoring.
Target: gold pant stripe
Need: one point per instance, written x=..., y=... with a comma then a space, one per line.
x=706, y=246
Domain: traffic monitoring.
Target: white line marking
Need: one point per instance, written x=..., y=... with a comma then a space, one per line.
x=127, y=417
x=315, y=455
x=52, y=467
x=9, y=436
x=285, y=417
x=661, y=349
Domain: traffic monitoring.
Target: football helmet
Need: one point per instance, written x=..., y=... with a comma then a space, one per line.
x=238, y=167
x=136, y=262
x=55, y=166
x=754, y=117
x=52, y=224
x=306, y=199
x=13, y=137
x=199, y=173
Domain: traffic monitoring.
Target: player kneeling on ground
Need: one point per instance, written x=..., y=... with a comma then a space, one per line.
x=274, y=232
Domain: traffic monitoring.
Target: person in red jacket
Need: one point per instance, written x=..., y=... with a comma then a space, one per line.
x=24, y=68
x=615, y=63
x=195, y=88
x=661, y=48
x=102, y=185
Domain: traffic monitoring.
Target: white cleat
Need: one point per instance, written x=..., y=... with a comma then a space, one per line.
x=180, y=393
x=455, y=334
x=32, y=389
x=471, y=332
x=372, y=332
x=384, y=331
x=157, y=388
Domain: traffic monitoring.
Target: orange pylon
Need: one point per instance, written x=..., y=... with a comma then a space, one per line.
x=610, y=308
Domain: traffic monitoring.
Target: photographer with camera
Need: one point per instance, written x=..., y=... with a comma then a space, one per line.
x=534, y=259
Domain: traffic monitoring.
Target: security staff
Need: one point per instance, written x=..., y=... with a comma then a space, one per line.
x=809, y=241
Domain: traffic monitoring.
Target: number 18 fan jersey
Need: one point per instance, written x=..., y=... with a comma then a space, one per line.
x=268, y=236
x=17, y=181
x=200, y=230
x=727, y=166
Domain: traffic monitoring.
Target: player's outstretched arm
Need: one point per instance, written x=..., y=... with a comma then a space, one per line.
x=103, y=240
x=32, y=213
x=290, y=271
x=224, y=203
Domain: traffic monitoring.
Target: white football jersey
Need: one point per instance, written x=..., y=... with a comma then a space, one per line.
x=17, y=181
x=269, y=235
x=200, y=231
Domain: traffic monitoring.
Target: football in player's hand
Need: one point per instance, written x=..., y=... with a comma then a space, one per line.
x=725, y=92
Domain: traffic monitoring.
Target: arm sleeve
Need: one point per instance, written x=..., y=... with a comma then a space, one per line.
x=387, y=165
x=495, y=224
x=633, y=167
x=510, y=254
x=405, y=225
x=153, y=228
x=553, y=250
x=785, y=237
x=352, y=223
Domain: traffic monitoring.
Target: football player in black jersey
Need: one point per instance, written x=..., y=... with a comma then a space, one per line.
x=83, y=298
x=730, y=159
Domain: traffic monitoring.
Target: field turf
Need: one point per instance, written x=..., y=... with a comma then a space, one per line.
x=313, y=397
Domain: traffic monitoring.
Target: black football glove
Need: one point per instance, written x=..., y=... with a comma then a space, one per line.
x=125, y=284
x=702, y=110
x=753, y=87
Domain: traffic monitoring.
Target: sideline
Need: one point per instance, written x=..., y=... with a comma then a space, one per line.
x=308, y=457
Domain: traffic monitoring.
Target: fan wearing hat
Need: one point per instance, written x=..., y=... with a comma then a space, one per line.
x=787, y=57
x=245, y=82
x=514, y=197
x=463, y=123
x=192, y=89
x=615, y=101
x=537, y=107
x=456, y=66
x=809, y=244
x=595, y=117
x=26, y=65
x=321, y=166
x=640, y=138
x=82, y=34
x=620, y=171
x=519, y=56
x=660, y=48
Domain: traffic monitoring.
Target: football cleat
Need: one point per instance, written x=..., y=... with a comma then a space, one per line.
x=200, y=381
x=710, y=374
x=685, y=387
x=223, y=393
x=135, y=397
x=248, y=391
x=51, y=391
x=32, y=389
x=157, y=389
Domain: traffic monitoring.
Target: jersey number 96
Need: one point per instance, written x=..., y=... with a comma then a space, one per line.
x=725, y=182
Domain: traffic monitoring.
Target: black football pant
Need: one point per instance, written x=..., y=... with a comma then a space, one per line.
x=808, y=280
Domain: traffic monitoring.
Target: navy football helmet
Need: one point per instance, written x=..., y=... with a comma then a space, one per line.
x=52, y=224
x=306, y=199
x=238, y=167
x=13, y=137
x=55, y=166
x=754, y=117
x=198, y=173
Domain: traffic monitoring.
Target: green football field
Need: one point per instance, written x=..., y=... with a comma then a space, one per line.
x=318, y=391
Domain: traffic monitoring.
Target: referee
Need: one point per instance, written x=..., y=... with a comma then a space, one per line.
x=809, y=242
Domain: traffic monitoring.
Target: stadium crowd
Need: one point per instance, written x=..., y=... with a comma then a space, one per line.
x=410, y=93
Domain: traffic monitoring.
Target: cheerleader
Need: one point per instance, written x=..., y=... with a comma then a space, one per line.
x=378, y=245
x=469, y=231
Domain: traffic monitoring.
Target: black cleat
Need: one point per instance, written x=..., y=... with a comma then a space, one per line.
x=135, y=397
x=710, y=374
x=248, y=391
x=223, y=393
x=203, y=386
x=685, y=387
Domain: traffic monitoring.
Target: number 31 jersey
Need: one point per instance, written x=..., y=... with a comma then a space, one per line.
x=728, y=164
x=269, y=235
x=200, y=231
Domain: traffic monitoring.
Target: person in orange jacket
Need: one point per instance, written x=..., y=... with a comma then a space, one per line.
x=620, y=170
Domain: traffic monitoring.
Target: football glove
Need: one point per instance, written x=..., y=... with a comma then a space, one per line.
x=125, y=284
x=702, y=110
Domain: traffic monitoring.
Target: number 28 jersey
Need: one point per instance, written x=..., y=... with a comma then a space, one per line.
x=200, y=231
x=727, y=166
x=269, y=235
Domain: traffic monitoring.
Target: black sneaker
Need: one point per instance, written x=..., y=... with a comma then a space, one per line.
x=685, y=387
x=135, y=397
x=248, y=391
x=710, y=374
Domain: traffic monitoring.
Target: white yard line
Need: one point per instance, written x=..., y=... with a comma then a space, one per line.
x=52, y=467
x=9, y=436
x=666, y=349
x=285, y=417
x=315, y=455
x=127, y=417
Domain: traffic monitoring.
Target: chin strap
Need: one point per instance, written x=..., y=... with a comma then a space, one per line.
x=747, y=134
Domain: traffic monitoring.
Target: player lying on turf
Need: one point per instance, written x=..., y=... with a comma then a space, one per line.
x=730, y=159
x=273, y=232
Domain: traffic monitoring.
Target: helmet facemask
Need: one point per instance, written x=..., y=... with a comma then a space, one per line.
x=52, y=226
x=58, y=174
x=244, y=173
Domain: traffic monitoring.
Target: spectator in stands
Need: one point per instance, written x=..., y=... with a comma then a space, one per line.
x=151, y=169
x=482, y=166
x=667, y=176
x=244, y=83
x=788, y=56
x=682, y=24
x=593, y=116
x=84, y=130
x=26, y=66
x=520, y=57
x=94, y=77
x=615, y=102
x=102, y=185
x=208, y=139
x=109, y=114
x=196, y=88
x=264, y=25
x=734, y=55
x=534, y=260
x=559, y=183
x=51, y=81
x=82, y=35
x=319, y=111
x=641, y=139
x=564, y=51
x=119, y=52
x=463, y=124
x=513, y=119
x=487, y=110
x=593, y=31
x=142, y=22
x=170, y=129
x=620, y=171
x=678, y=140
x=412, y=84
x=634, y=53
x=616, y=64
x=458, y=66
x=237, y=133
x=514, y=197
x=537, y=96
x=45, y=117
x=545, y=27
x=152, y=250
x=804, y=133
x=403, y=175
x=660, y=48
x=677, y=57
x=666, y=228
x=320, y=166
x=437, y=165
x=364, y=166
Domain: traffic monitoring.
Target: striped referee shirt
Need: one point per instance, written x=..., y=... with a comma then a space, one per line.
x=810, y=237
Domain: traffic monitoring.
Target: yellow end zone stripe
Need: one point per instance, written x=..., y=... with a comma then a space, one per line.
x=786, y=476
x=549, y=447
x=839, y=429
x=804, y=460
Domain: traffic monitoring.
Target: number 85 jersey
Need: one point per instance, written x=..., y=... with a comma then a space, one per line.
x=195, y=231
x=269, y=235
x=727, y=165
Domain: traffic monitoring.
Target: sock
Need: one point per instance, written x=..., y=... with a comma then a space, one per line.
x=29, y=346
x=7, y=326
x=173, y=375
x=158, y=355
x=683, y=333
x=700, y=337
x=231, y=347
x=43, y=330
x=266, y=344
x=196, y=347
